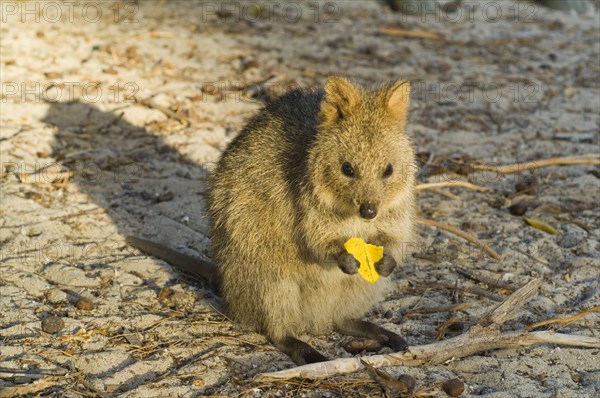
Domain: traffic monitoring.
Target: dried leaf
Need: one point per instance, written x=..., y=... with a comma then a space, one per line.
x=541, y=225
x=367, y=255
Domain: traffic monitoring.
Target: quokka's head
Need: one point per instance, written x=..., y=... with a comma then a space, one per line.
x=362, y=163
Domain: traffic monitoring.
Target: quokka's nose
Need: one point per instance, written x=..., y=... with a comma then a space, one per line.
x=368, y=210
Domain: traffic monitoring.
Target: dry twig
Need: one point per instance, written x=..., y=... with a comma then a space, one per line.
x=417, y=34
x=164, y=110
x=592, y=159
x=483, y=336
x=434, y=310
x=442, y=329
x=462, y=184
x=445, y=193
x=564, y=321
x=479, y=291
x=461, y=233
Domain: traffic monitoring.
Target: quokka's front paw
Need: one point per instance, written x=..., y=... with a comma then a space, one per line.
x=347, y=263
x=386, y=265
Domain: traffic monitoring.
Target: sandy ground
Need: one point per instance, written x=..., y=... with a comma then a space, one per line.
x=113, y=114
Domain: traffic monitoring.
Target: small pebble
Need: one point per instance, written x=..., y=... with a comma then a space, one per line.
x=453, y=387
x=210, y=89
x=53, y=75
x=85, y=304
x=133, y=339
x=53, y=324
x=145, y=195
x=56, y=296
x=518, y=209
x=569, y=240
x=165, y=197
x=132, y=51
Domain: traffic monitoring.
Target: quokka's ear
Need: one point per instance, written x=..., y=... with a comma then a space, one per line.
x=397, y=98
x=341, y=96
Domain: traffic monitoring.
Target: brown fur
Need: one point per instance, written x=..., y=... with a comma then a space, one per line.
x=281, y=208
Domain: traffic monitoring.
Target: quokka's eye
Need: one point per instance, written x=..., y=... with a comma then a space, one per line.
x=388, y=170
x=347, y=169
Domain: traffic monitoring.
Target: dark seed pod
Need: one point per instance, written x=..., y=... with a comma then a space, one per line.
x=518, y=209
x=457, y=327
x=85, y=304
x=453, y=387
x=464, y=169
x=372, y=345
x=527, y=185
x=355, y=346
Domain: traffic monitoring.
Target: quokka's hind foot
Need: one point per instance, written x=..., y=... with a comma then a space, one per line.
x=299, y=351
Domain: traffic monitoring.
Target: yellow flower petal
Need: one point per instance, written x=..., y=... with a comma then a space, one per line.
x=367, y=255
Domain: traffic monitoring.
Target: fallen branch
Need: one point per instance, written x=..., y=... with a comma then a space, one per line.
x=593, y=159
x=29, y=389
x=462, y=234
x=483, y=336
